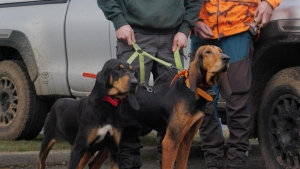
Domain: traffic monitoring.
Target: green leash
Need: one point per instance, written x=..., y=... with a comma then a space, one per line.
x=140, y=53
x=178, y=60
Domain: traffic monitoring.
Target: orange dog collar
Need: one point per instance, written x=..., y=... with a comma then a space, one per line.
x=201, y=92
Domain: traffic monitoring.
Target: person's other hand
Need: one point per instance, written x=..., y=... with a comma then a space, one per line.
x=126, y=33
x=180, y=41
x=201, y=30
x=263, y=14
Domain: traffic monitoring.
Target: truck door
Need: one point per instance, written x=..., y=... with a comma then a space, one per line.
x=87, y=43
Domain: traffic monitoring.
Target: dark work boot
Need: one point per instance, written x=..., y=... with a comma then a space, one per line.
x=215, y=164
x=235, y=164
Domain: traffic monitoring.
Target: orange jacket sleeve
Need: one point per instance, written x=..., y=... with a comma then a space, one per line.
x=274, y=3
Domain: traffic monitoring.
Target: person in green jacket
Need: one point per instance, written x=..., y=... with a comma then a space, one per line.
x=158, y=27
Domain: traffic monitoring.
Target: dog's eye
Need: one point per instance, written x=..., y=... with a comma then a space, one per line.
x=208, y=52
x=118, y=68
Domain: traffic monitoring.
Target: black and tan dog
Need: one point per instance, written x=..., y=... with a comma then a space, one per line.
x=92, y=123
x=179, y=108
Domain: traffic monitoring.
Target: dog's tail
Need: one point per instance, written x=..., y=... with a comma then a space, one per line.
x=50, y=123
x=49, y=136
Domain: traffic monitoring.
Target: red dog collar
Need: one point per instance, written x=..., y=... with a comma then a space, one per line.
x=113, y=101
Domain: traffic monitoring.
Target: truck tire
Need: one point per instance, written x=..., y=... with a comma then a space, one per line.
x=22, y=113
x=279, y=120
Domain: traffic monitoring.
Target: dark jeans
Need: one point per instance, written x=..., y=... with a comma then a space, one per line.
x=159, y=46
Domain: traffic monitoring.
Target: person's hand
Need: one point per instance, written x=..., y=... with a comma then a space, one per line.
x=263, y=14
x=201, y=30
x=180, y=41
x=126, y=33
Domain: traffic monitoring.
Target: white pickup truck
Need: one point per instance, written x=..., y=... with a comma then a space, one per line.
x=46, y=45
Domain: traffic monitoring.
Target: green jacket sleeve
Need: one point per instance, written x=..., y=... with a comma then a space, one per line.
x=112, y=12
x=192, y=8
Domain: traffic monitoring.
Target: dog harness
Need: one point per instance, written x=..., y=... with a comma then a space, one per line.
x=140, y=53
x=201, y=92
x=113, y=101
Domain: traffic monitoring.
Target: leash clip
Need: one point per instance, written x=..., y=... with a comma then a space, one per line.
x=149, y=89
x=139, y=51
x=174, y=67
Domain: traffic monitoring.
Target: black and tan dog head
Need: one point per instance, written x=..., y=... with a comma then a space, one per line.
x=117, y=79
x=209, y=66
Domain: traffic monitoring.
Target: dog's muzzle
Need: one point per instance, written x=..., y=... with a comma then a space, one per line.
x=133, y=85
x=225, y=60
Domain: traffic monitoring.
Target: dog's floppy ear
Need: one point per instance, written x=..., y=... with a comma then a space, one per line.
x=101, y=81
x=99, y=89
x=194, y=71
x=223, y=85
x=133, y=101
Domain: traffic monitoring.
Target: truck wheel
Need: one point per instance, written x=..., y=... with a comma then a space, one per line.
x=279, y=120
x=22, y=113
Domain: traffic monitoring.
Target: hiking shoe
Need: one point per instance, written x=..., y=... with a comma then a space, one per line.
x=235, y=164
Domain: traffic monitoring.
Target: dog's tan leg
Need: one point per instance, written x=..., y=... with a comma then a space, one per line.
x=113, y=151
x=185, y=146
x=99, y=159
x=176, y=130
x=113, y=165
x=171, y=147
x=45, y=153
x=169, y=152
x=84, y=160
x=179, y=124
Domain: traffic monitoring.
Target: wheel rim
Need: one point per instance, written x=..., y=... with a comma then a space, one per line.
x=284, y=134
x=8, y=102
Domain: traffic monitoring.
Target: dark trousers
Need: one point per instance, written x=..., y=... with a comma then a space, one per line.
x=130, y=144
x=239, y=49
x=159, y=46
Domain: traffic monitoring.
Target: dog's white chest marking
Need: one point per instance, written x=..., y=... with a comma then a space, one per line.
x=102, y=132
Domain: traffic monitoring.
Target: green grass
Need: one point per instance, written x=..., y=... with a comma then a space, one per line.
x=34, y=145
x=30, y=145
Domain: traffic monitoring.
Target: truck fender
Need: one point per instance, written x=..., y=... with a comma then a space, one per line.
x=19, y=41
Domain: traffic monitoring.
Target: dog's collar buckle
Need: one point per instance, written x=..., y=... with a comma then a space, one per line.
x=201, y=92
x=182, y=73
x=113, y=101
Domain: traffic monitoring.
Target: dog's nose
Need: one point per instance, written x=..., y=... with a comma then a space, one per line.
x=134, y=83
x=133, y=86
x=225, y=58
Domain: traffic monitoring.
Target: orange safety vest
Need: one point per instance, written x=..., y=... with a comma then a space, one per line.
x=229, y=17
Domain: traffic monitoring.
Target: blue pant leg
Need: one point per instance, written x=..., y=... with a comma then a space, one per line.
x=238, y=48
x=210, y=130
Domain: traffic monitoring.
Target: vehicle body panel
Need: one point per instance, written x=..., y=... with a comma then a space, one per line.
x=288, y=9
x=43, y=26
x=88, y=44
